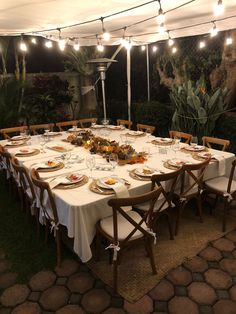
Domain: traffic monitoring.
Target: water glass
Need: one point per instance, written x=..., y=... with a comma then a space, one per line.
x=146, y=151
x=90, y=163
x=67, y=160
x=113, y=160
x=42, y=144
x=148, y=132
x=194, y=141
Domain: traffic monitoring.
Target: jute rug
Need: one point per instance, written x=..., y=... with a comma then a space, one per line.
x=135, y=277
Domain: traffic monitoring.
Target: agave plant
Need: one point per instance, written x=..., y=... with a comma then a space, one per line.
x=196, y=110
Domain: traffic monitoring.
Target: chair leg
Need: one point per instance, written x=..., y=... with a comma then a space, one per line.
x=199, y=206
x=46, y=231
x=180, y=209
x=170, y=226
x=58, y=243
x=151, y=256
x=226, y=206
x=98, y=246
x=115, y=273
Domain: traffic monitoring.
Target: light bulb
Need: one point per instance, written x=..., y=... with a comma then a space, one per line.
x=23, y=46
x=161, y=17
x=219, y=8
x=143, y=48
x=214, y=31
x=100, y=47
x=202, y=44
x=76, y=46
x=154, y=48
x=229, y=41
x=61, y=44
x=171, y=42
x=174, y=50
x=48, y=44
x=106, y=36
x=34, y=41
x=161, y=28
x=123, y=42
x=128, y=45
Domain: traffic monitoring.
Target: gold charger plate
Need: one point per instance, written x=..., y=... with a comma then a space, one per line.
x=196, y=157
x=192, y=152
x=73, y=185
x=15, y=146
x=36, y=152
x=133, y=175
x=155, y=142
x=60, y=166
x=168, y=166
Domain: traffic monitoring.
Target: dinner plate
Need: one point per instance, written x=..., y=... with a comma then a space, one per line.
x=115, y=127
x=176, y=162
x=103, y=166
x=16, y=143
x=49, y=164
x=204, y=155
x=163, y=139
x=109, y=182
x=19, y=138
x=146, y=171
x=51, y=133
x=75, y=130
x=196, y=148
x=135, y=133
x=71, y=178
x=26, y=150
x=97, y=126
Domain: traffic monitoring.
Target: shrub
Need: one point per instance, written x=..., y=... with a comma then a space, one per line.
x=226, y=128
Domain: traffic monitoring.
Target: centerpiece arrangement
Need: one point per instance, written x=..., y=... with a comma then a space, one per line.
x=99, y=145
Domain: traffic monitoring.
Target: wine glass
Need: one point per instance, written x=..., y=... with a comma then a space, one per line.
x=194, y=141
x=148, y=132
x=67, y=159
x=42, y=144
x=113, y=160
x=176, y=145
x=146, y=151
x=90, y=163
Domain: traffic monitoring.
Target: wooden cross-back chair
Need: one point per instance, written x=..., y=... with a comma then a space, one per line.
x=26, y=189
x=213, y=142
x=194, y=189
x=164, y=205
x=39, y=128
x=225, y=188
x=8, y=132
x=127, y=228
x=145, y=127
x=185, y=137
x=66, y=124
x=49, y=209
x=87, y=122
x=6, y=166
x=126, y=123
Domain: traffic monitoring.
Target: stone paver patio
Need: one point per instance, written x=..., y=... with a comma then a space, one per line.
x=205, y=284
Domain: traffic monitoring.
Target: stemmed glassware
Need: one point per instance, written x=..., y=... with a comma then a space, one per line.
x=67, y=160
x=148, y=132
x=194, y=141
x=146, y=151
x=42, y=144
x=176, y=145
x=113, y=160
x=90, y=163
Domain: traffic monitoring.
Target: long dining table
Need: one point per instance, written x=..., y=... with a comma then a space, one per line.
x=79, y=209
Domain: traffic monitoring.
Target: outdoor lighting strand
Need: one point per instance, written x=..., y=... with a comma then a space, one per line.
x=214, y=30
x=161, y=15
x=61, y=41
x=76, y=45
x=23, y=46
x=100, y=46
x=170, y=40
x=106, y=36
x=219, y=8
x=48, y=43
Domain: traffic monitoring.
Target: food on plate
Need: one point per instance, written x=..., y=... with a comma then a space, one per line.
x=73, y=177
x=24, y=151
x=111, y=181
x=51, y=163
x=147, y=171
x=59, y=148
x=204, y=155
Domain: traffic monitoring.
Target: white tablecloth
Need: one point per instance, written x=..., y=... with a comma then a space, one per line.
x=79, y=209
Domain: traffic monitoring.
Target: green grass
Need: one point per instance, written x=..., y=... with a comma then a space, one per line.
x=26, y=253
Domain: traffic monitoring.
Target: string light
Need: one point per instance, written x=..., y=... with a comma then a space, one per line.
x=34, y=41
x=143, y=48
x=170, y=40
x=229, y=41
x=23, y=46
x=154, y=49
x=202, y=44
x=100, y=46
x=161, y=29
x=214, y=30
x=61, y=41
x=48, y=44
x=128, y=44
x=219, y=8
x=106, y=36
x=76, y=45
x=174, y=50
x=161, y=16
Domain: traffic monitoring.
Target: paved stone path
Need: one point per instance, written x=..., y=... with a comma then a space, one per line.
x=206, y=284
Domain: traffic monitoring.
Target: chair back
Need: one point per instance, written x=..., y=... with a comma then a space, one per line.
x=144, y=127
x=231, y=177
x=24, y=178
x=170, y=180
x=87, y=122
x=214, y=142
x=39, y=128
x=6, y=159
x=16, y=130
x=196, y=173
x=118, y=203
x=185, y=137
x=66, y=124
x=45, y=191
x=127, y=123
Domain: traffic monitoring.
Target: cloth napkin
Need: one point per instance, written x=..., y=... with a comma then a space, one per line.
x=221, y=164
x=122, y=192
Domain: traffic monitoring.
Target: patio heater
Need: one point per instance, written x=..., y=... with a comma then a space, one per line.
x=102, y=66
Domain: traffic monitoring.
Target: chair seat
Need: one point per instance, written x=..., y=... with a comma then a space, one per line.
x=145, y=206
x=124, y=226
x=220, y=184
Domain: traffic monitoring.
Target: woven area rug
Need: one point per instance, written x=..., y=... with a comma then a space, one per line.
x=135, y=277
